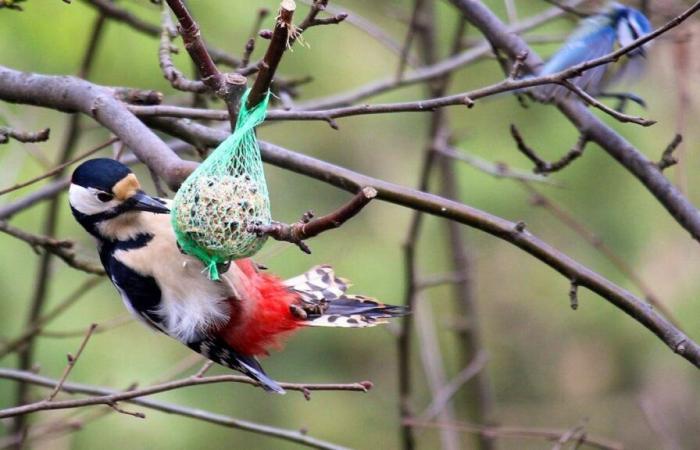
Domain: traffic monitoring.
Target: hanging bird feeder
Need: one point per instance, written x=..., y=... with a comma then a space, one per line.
x=218, y=204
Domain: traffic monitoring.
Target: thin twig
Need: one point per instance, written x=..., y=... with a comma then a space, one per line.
x=250, y=43
x=518, y=432
x=60, y=167
x=62, y=249
x=542, y=166
x=497, y=169
x=312, y=20
x=205, y=367
x=406, y=48
x=113, y=397
x=667, y=158
x=592, y=101
x=449, y=390
x=37, y=326
x=101, y=328
x=72, y=360
x=107, y=396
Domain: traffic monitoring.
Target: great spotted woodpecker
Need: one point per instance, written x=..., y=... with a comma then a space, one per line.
x=231, y=321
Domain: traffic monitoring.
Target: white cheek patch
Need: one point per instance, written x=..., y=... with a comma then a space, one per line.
x=85, y=200
x=624, y=33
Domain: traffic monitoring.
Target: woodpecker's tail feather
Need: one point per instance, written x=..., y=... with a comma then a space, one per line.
x=218, y=351
x=326, y=303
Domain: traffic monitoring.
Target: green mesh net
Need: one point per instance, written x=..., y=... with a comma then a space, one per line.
x=224, y=196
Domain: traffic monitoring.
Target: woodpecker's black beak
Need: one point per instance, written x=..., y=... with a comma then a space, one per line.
x=142, y=202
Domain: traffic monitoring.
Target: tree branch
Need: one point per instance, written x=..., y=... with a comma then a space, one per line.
x=106, y=396
x=23, y=136
x=307, y=227
x=62, y=249
x=75, y=95
x=432, y=204
x=646, y=172
x=281, y=35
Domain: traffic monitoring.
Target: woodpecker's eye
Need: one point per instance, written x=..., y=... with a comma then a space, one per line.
x=104, y=197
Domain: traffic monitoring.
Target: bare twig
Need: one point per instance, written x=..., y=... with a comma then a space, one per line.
x=573, y=295
x=23, y=136
x=450, y=389
x=205, y=367
x=106, y=399
x=250, y=44
x=106, y=396
x=59, y=168
x=497, y=169
x=569, y=9
x=71, y=363
x=667, y=158
x=592, y=101
x=542, y=166
x=37, y=326
x=413, y=24
x=62, y=249
x=308, y=227
x=518, y=432
x=312, y=20
x=101, y=328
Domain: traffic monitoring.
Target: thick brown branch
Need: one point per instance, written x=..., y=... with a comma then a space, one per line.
x=166, y=48
x=194, y=44
x=281, y=35
x=307, y=227
x=75, y=95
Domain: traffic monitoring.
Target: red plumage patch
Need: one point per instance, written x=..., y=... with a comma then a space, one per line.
x=265, y=318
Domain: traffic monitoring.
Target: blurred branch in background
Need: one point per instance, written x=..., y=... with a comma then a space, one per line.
x=137, y=119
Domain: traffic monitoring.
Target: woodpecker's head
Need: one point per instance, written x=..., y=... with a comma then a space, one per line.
x=105, y=195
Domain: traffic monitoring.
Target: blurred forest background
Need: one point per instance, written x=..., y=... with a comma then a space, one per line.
x=548, y=365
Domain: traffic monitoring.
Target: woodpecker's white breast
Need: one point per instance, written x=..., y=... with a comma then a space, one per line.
x=190, y=303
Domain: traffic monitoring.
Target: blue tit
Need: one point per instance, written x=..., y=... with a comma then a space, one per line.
x=597, y=36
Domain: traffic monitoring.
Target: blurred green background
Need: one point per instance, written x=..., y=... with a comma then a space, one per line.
x=549, y=366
